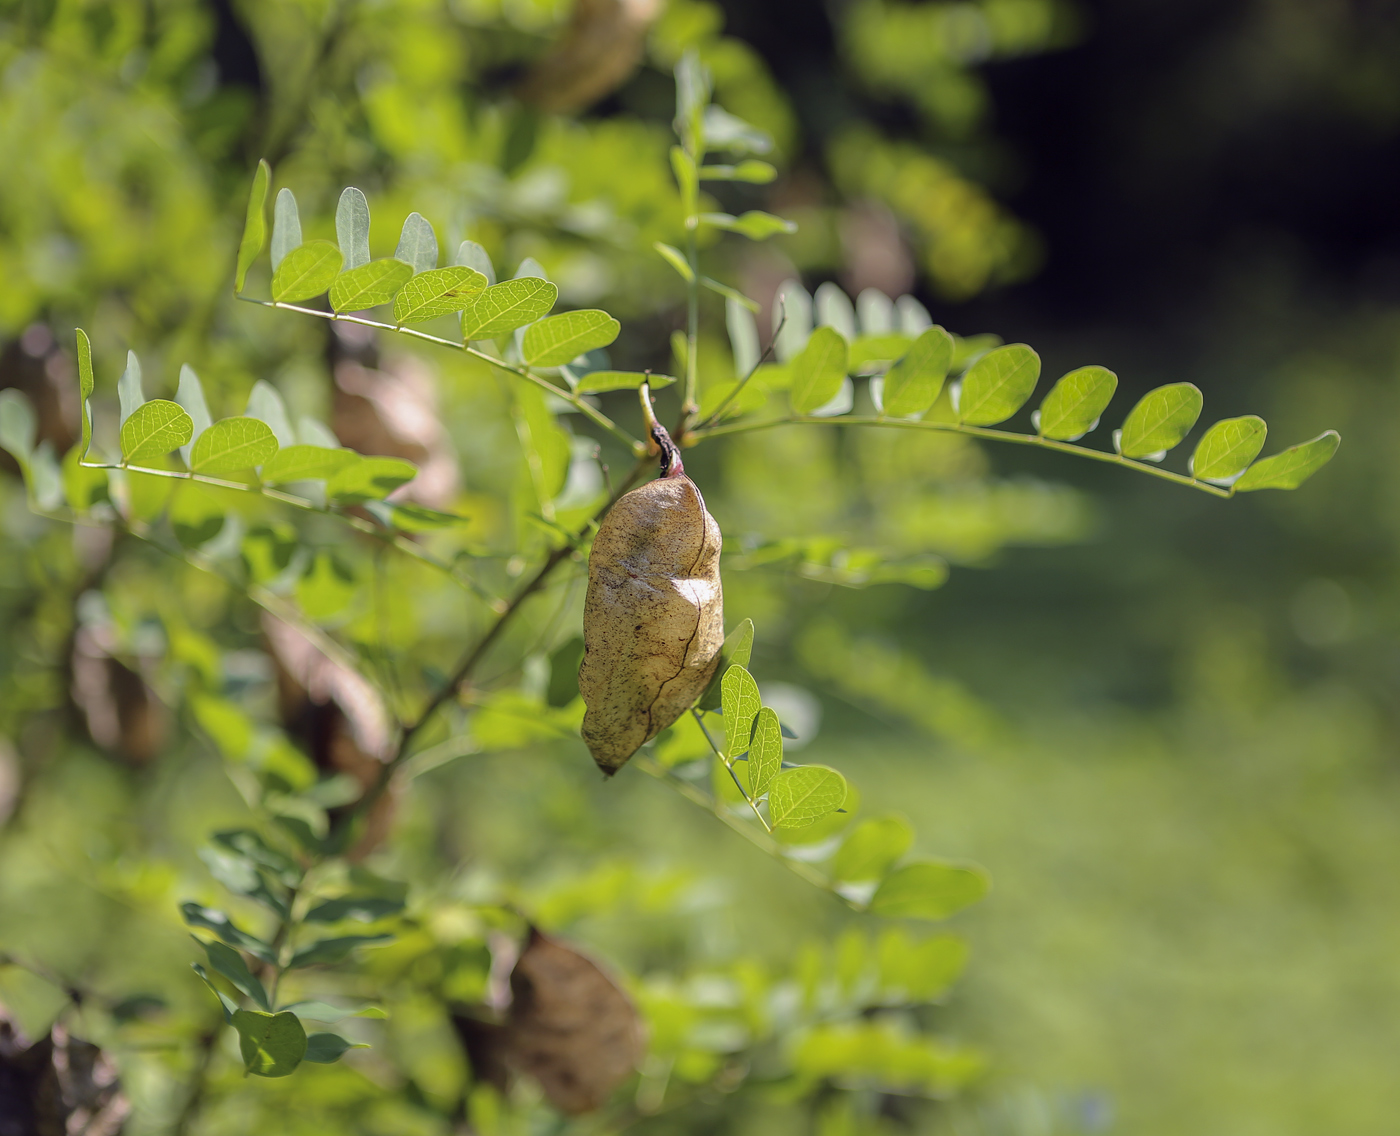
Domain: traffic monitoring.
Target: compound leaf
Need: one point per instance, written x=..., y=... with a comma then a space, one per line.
x=306, y=463
x=369, y=285
x=554, y=341
x=438, y=292
x=505, y=306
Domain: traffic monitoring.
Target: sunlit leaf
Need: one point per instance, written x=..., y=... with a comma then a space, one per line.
x=928, y=890
x=741, y=702
x=598, y=381
x=254, y=226
x=328, y=1048
x=798, y=797
x=872, y=849
x=437, y=292
x=1292, y=467
x=554, y=341
x=306, y=272
x=233, y=444
x=765, y=751
x=818, y=371
x=85, y=385
x=352, y=227
x=752, y=171
x=306, y=463
x=417, y=244
x=369, y=285
x=505, y=306
x=737, y=648
x=755, y=224
x=914, y=382
x=998, y=384
x=1159, y=421
x=156, y=428
x=676, y=259
x=286, y=227
x=868, y=350
x=1227, y=448
x=272, y=1045
x=370, y=479
x=1076, y=402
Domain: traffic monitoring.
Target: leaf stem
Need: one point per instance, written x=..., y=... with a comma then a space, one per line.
x=578, y=402
x=988, y=433
x=729, y=765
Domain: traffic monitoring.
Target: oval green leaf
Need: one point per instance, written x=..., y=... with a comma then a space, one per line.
x=369, y=285
x=799, y=797
x=914, y=382
x=305, y=272
x=306, y=463
x=765, y=752
x=554, y=341
x=272, y=1045
x=417, y=243
x=1291, y=468
x=1227, y=448
x=233, y=444
x=505, y=306
x=928, y=890
x=254, y=225
x=369, y=479
x=597, y=381
x=1075, y=403
x=328, y=1048
x=872, y=849
x=438, y=292
x=154, y=429
x=352, y=227
x=818, y=370
x=998, y=384
x=86, y=382
x=1160, y=420
x=740, y=702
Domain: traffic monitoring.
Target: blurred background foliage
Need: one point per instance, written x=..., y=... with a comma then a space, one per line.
x=1167, y=723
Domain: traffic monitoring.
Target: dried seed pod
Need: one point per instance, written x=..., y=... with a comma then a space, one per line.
x=653, y=620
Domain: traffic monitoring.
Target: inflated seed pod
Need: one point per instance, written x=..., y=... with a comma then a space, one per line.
x=653, y=620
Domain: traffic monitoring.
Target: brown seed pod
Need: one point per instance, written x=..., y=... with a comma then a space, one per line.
x=653, y=619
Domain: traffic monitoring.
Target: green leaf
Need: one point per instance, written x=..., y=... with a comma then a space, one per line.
x=1076, y=402
x=306, y=463
x=755, y=224
x=233, y=444
x=676, y=259
x=799, y=797
x=818, y=370
x=597, y=381
x=129, y=393
x=729, y=293
x=928, y=890
x=325, y=1012
x=1291, y=468
x=326, y=588
x=743, y=337
x=272, y=1045
x=328, y=1048
x=998, y=384
x=1227, y=448
x=286, y=227
x=212, y=919
x=85, y=385
x=913, y=384
x=366, y=908
x=190, y=394
x=417, y=244
x=328, y=951
x=230, y=964
x=250, y=845
x=82, y=486
x=17, y=424
x=472, y=255
x=254, y=225
x=741, y=701
x=505, y=306
x=227, y=1004
x=369, y=285
x=724, y=131
x=156, y=428
x=242, y=877
x=1159, y=421
x=554, y=341
x=352, y=227
x=412, y=517
x=738, y=646
x=752, y=171
x=370, y=479
x=834, y=309
x=872, y=849
x=438, y=292
x=195, y=516
x=266, y=405
x=307, y=271
x=886, y=347
x=765, y=752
